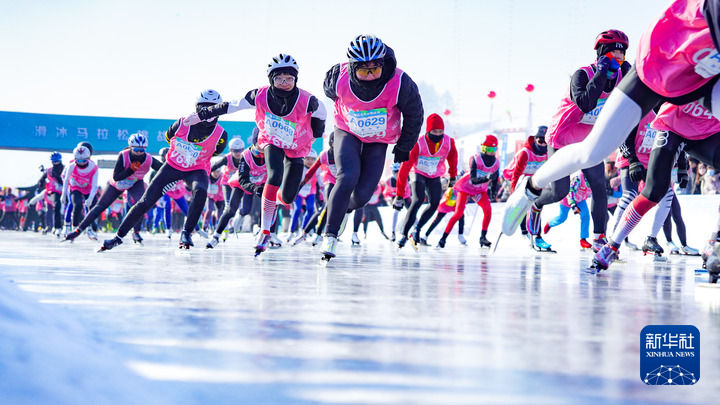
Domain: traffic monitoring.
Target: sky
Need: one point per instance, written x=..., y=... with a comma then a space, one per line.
x=150, y=59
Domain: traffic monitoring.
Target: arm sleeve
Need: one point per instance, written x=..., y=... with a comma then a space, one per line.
x=520, y=165
x=228, y=107
x=172, y=130
x=318, y=117
x=220, y=147
x=66, y=182
x=94, y=188
x=120, y=172
x=156, y=164
x=585, y=92
x=410, y=105
x=452, y=159
x=330, y=82
x=220, y=163
x=473, y=170
x=627, y=148
x=405, y=171
x=244, y=177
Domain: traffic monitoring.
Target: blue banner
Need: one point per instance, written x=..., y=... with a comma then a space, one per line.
x=51, y=132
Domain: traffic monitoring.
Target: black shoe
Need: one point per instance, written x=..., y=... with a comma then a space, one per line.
x=441, y=243
x=72, y=235
x=401, y=243
x=111, y=243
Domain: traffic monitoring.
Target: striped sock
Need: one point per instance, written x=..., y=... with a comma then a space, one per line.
x=268, y=207
x=631, y=217
x=533, y=220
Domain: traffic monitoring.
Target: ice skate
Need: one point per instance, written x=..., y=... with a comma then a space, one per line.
x=462, y=239
x=485, y=243
x=300, y=239
x=71, y=236
x=329, y=248
x=539, y=245
x=585, y=245
x=673, y=249
x=652, y=246
x=318, y=240
x=275, y=242
x=137, y=238
x=355, y=239
x=185, y=240
x=110, y=243
x=202, y=233
x=290, y=237
x=401, y=242
x=599, y=242
x=169, y=233
x=603, y=259
x=392, y=237
x=688, y=251
x=517, y=206
x=713, y=265
x=441, y=243
x=91, y=234
x=262, y=242
x=214, y=241
x=630, y=245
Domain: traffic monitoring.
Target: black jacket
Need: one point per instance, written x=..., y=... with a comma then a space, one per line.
x=585, y=92
x=409, y=101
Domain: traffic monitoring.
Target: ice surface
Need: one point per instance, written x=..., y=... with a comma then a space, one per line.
x=146, y=324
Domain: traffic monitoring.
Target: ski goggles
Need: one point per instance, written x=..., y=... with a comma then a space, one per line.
x=488, y=149
x=81, y=161
x=277, y=80
x=138, y=149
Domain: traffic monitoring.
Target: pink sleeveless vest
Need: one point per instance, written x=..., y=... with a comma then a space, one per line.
x=569, y=124
x=258, y=174
x=228, y=169
x=676, y=55
x=329, y=171
x=214, y=192
x=178, y=191
x=375, y=121
x=644, y=139
x=583, y=192
x=187, y=156
x=81, y=179
x=429, y=164
x=139, y=174
x=310, y=187
x=291, y=132
x=391, y=192
x=691, y=121
x=464, y=183
x=52, y=185
x=534, y=161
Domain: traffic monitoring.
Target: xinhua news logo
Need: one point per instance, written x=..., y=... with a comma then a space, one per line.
x=670, y=355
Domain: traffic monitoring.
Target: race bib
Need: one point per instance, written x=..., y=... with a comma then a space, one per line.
x=305, y=190
x=648, y=140
x=367, y=123
x=212, y=189
x=708, y=66
x=124, y=184
x=185, y=153
x=590, y=117
x=333, y=170
x=280, y=131
x=532, y=167
x=256, y=179
x=428, y=164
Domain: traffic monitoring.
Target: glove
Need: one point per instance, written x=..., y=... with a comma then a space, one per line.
x=135, y=165
x=400, y=156
x=479, y=180
x=88, y=203
x=397, y=203
x=575, y=209
x=682, y=178
x=191, y=119
x=614, y=65
x=636, y=172
x=451, y=183
x=259, y=190
x=603, y=64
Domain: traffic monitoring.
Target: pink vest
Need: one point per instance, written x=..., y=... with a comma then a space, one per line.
x=375, y=197
x=569, y=124
x=310, y=188
x=447, y=204
x=258, y=174
x=228, y=170
x=214, y=192
x=583, y=192
x=81, y=179
x=22, y=206
x=375, y=121
x=52, y=185
x=534, y=161
x=644, y=139
x=187, y=156
x=329, y=171
x=138, y=174
x=429, y=164
x=464, y=183
x=10, y=204
x=178, y=190
x=676, y=55
x=391, y=192
x=691, y=121
x=291, y=132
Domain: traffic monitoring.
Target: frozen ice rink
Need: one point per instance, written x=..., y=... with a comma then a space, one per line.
x=376, y=326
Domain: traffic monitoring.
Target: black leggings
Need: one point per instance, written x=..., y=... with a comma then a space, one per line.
x=56, y=210
x=675, y=215
x=320, y=213
x=238, y=197
x=439, y=217
x=420, y=186
x=372, y=214
x=596, y=177
x=111, y=194
x=359, y=167
x=165, y=178
x=284, y=172
x=78, y=200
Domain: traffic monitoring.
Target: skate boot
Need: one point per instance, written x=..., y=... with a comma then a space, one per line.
x=672, y=248
x=631, y=245
x=185, y=240
x=137, y=238
x=392, y=237
x=584, y=244
x=202, y=233
x=484, y=242
x=68, y=229
x=401, y=242
x=110, y=243
x=300, y=239
x=517, y=205
x=329, y=248
x=599, y=243
x=539, y=245
x=275, y=242
x=687, y=250
x=603, y=259
x=709, y=247
x=91, y=234
x=262, y=242
x=652, y=246
x=713, y=264
x=355, y=240
x=462, y=239
x=213, y=242
x=72, y=235
x=169, y=233
x=318, y=240
x=441, y=243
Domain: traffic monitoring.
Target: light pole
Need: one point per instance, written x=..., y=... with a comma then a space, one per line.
x=529, y=88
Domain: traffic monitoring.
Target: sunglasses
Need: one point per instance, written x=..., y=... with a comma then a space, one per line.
x=138, y=149
x=363, y=72
x=284, y=80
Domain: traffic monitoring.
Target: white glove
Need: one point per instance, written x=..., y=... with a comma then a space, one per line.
x=88, y=203
x=191, y=119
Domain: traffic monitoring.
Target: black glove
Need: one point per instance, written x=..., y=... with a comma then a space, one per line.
x=636, y=171
x=451, y=183
x=259, y=190
x=682, y=178
x=400, y=156
x=603, y=64
x=479, y=180
x=575, y=209
x=203, y=113
x=397, y=203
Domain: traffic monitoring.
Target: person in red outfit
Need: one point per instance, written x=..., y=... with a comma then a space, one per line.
x=427, y=165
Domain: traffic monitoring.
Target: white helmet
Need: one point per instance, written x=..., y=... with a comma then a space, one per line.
x=137, y=140
x=209, y=96
x=81, y=152
x=312, y=154
x=237, y=144
x=281, y=61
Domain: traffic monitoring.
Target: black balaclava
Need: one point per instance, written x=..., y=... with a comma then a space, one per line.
x=435, y=138
x=541, y=132
x=283, y=100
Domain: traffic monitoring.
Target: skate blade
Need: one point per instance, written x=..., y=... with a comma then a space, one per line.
x=497, y=242
x=660, y=259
